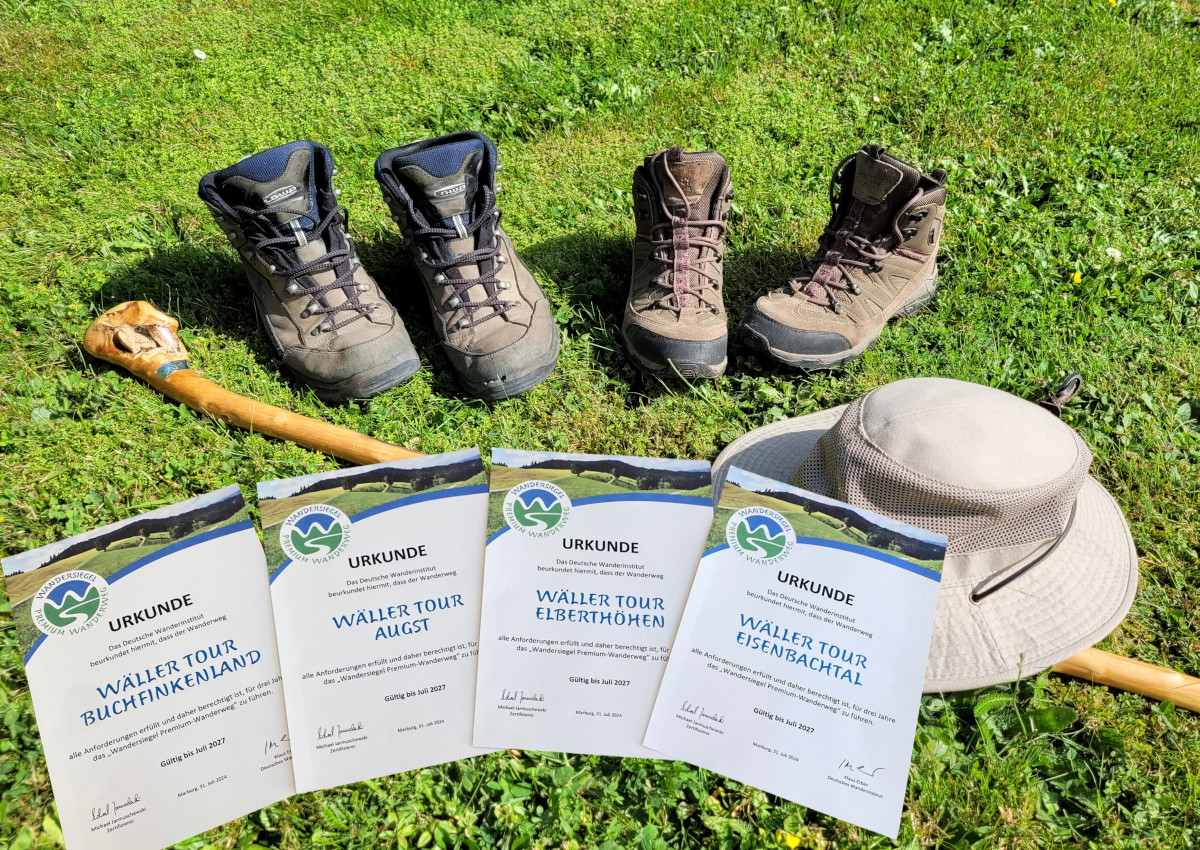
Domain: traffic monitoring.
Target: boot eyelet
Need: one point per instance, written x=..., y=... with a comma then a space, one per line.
x=231, y=236
x=247, y=253
x=463, y=324
x=363, y=287
x=454, y=302
x=293, y=288
x=503, y=284
x=838, y=309
x=439, y=278
x=271, y=269
x=502, y=259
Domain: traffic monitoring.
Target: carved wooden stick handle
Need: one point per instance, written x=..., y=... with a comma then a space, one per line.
x=1134, y=676
x=144, y=340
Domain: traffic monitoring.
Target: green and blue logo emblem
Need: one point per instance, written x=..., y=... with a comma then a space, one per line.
x=70, y=603
x=536, y=508
x=760, y=535
x=315, y=534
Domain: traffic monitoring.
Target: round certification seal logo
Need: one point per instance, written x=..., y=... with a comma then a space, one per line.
x=315, y=534
x=760, y=535
x=536, y=508
x=70, y=603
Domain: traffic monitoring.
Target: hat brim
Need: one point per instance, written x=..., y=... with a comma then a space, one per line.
x=1068, y=602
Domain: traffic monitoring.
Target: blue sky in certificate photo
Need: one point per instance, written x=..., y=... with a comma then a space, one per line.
x=758, y=483
x=518, y=458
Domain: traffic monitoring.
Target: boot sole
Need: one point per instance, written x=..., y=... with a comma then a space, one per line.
x=360, y=386
x=691, y=371
x=818, y=362
x=506, y=387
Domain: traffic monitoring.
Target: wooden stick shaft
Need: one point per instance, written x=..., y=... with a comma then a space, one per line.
x=202, y=395
x=1134, y=676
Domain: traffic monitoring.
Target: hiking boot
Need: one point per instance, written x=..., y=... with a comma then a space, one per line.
x=321, y=310
x=876, y=259
x=675, y=316
x=488, y=311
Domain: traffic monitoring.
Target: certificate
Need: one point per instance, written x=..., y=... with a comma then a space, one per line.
x=151, y=659
x=799, y=661
x=589, y=559
x=376, y=581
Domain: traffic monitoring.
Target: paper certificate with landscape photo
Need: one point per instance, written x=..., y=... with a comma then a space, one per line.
x=150, y=652
x=800, y=658
x=377, y=574
x=589, y=558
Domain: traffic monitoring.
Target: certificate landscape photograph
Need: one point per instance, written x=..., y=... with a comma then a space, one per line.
x=585, y=476
x=820, y=518
x=354, y=491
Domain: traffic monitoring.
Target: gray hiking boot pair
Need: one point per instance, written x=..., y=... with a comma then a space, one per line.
x=323, y=313
x=876, y=259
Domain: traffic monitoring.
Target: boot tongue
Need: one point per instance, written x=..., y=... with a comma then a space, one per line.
x=882, y=183
x=277, y=179
x=443, y=180
x=699, y=176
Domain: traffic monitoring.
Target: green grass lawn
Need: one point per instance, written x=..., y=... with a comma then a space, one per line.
x=1066, y=129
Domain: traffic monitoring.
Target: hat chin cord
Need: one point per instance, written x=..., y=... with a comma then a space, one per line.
x=978, y=595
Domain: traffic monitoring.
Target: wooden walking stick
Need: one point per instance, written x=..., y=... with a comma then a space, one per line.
x=141, y=338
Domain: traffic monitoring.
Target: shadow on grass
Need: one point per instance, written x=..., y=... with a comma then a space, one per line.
x=585, y=275
x=589, y=275
x=206, y=288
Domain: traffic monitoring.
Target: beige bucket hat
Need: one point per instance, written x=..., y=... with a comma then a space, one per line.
x=1040, y=563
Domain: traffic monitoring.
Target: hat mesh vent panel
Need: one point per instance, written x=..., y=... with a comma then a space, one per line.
x=847, y=466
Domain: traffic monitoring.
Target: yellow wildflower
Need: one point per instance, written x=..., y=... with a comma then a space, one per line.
x=1077, y=278
x=787, y=838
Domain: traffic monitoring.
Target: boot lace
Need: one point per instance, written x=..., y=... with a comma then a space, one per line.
x=670, y=241
x=268, y=234
x=447, y=265
x=841, y=249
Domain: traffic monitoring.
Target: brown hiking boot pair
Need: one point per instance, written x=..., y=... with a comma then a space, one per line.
x=876, y=259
